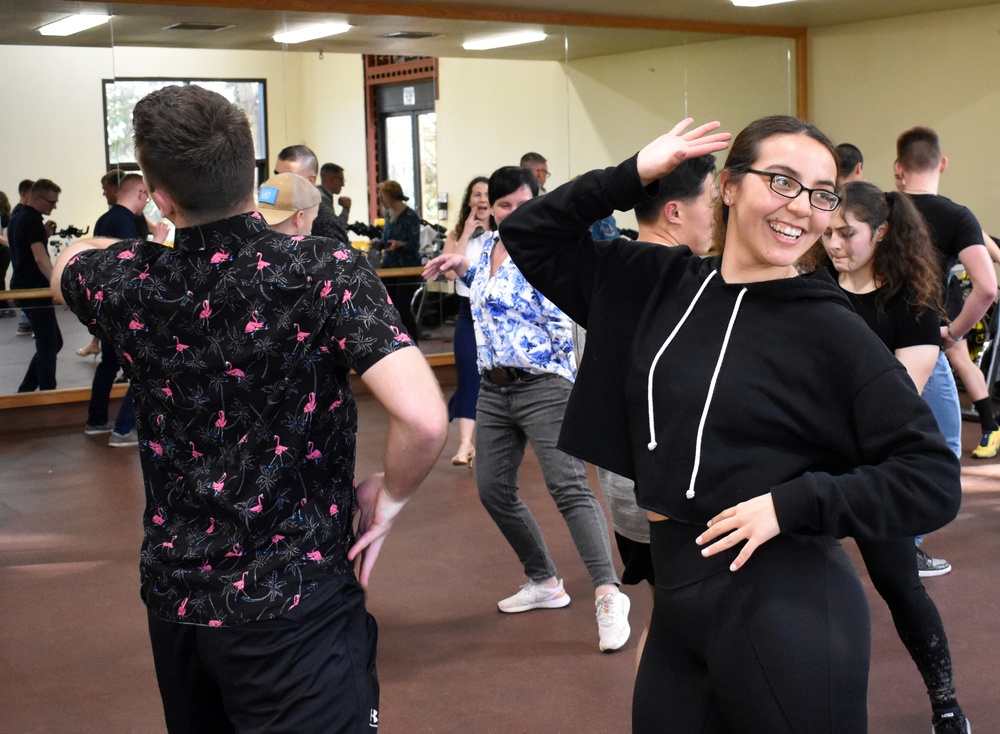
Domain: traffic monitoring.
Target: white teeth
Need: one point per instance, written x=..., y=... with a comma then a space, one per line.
x=787, y=231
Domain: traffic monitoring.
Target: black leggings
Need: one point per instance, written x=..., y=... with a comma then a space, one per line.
x=892, y=566
x=780, y=646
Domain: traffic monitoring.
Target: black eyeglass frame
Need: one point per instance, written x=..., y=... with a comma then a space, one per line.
x=773, y=174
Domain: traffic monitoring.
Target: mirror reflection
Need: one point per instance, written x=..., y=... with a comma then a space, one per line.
x=582, y=97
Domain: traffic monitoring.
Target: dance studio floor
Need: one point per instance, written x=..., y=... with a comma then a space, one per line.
x=74, y=657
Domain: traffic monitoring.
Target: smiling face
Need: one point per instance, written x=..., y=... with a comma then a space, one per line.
x=479, y=202
x=850, y=243
x=503, y=206
x=767, y=233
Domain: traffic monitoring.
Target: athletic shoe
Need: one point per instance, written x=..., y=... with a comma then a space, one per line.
x=119, y=440
x=92, y=430
x=25, y=330
x=928, y=566
x=989, y=446
x=612, y=621
x=952, y=722
x=535, y=596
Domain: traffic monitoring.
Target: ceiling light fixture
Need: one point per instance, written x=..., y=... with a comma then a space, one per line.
x=312, y=32
x=757, y=3
x=508, y=39
x=73, y=24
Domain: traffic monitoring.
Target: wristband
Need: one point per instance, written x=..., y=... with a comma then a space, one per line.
x=952, y=335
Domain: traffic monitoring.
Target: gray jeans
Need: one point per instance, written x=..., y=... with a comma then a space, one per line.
x=506, y=419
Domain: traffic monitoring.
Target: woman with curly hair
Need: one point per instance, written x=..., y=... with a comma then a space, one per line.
x=881, y=253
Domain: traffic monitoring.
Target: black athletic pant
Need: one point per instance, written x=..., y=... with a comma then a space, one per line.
x=780, y=646
x=892, y=566
x=309, y=671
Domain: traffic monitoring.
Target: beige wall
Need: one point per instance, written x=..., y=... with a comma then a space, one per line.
x=871, y=81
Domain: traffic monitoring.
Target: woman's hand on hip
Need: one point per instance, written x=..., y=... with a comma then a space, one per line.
x=753, y=521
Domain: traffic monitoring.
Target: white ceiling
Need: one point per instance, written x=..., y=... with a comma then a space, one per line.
x=139, y=24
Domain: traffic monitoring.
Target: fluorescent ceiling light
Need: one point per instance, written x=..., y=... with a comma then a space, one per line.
x=312, y=32
x=757, y=3
x=509, y=39
x=73, y=24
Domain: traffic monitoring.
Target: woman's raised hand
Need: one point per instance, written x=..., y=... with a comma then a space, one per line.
x=664, y=154
x=451, y=262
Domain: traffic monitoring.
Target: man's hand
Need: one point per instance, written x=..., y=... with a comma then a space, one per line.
x=344, y=201
x=753, y=521
x=50, y=227
x=160, y=231
x=666, y=152
x=376, y=512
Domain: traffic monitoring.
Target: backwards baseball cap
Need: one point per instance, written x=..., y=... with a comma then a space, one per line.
x=284, y=194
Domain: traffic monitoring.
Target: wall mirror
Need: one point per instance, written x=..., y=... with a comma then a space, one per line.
x=585, y=96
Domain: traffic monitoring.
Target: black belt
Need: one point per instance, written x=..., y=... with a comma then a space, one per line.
x=508, y=375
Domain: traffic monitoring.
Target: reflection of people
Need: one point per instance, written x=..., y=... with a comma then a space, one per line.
x=539, y=167
x=29, y=252
x=467, y=239
x=4, y=248
x=401, y=234
x=288, y=203
x=886, y=266
x=240, y=342
x=958, y=237
x=332, y=182
x=760, y=419
x=525, y=355
x=850, y=163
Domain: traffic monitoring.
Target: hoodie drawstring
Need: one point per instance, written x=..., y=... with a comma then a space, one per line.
x=711, y=387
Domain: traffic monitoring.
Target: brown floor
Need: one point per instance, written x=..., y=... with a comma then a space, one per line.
x=74, y=655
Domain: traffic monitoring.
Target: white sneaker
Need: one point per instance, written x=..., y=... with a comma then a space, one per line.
x=123, y=440
x=612, y=621
x=535, y=596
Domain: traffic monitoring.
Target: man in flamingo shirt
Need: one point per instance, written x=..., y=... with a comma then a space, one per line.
x=239, y=342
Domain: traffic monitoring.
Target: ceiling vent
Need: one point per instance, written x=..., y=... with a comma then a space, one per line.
x=410, y=35
x=198, y=27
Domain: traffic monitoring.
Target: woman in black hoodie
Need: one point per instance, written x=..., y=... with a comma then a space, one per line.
x=751, y=401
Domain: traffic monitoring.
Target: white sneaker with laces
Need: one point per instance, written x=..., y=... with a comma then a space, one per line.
x=612, y=621
x=535, y=596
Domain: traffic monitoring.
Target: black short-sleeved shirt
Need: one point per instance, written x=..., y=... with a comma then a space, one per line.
x=26, y=228
x=953, y=227
x=900, y=325
x=117, y=222
x=238, y=342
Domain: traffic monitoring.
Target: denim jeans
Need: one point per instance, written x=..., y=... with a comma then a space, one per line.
x=941, y=395
x=100, y=393
x=41, y=374
x=507, y=418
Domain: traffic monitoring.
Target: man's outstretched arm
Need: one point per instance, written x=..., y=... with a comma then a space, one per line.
x=418, y=427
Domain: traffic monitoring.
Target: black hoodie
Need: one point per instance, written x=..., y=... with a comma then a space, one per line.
x=709, y=393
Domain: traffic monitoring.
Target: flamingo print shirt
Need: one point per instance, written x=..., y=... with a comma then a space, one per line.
x=238, y=342
x=516, y=326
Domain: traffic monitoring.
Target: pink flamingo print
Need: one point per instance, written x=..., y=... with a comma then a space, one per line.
x=206, y=311
x=160, y=420
x=126, y=255
x=398, y=336
x=261, y=262
x=335, y=404
x=256, y=509
x=342, y=343
x=99, y=294
x=298, y=237
x=157, y=448
x=240, y=584
x=143, y=275
x=235, y=552
x=301, y=336
x=183, y=608
x=167, y=392
x=135, y=324
x=347, y=296
x=168, y=543
x=310, y=406
x=253, y=324
x=220, y=422
x=215, y=623
x=275, y=539
x=206, y=567
x=180, y=348
x=128, y=356
x=325, y=290
x=333, y=509
x=278, y=448
x=219, y=483
x=314, y=555
x=211, y=526
x=195, y=453
x=313, y=453
x=220, y=257
x=295, y=602
x=234, y=371
x=158, y=518
x=341, y=255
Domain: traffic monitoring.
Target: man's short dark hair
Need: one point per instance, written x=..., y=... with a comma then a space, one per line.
x=329, y=169
x=44, y=186
x=302, y=153
x=113, y=176
x=848, y=158
x=532, y=159
x=196, y=146
x=918, y=149
x=24, y=186
x=684, y=183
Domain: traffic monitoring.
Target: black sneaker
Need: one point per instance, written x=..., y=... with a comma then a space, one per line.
x=952, y=722
x=928, y=566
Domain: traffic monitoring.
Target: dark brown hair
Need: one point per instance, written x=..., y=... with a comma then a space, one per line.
x=918, y=149
x=196, y=146
x=466, y=209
